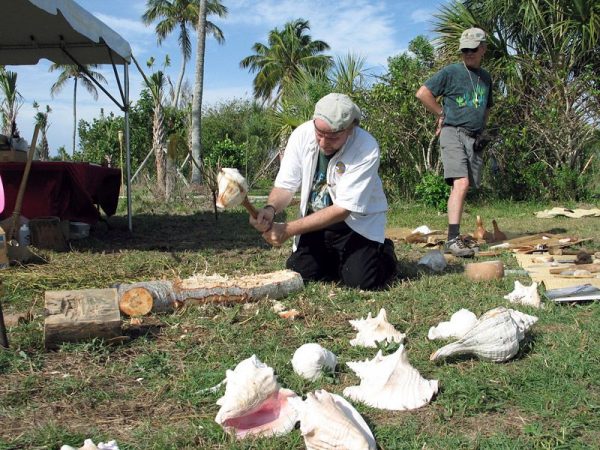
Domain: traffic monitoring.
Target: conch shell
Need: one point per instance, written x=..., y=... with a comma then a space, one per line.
x=480, y=233
x=498, y=235
x=460, y=322
x=390, y=382
x=88, y=444
x=254, y=403
x=329, y=422
x=310, y=360
x=233, y=188
x=495, y=336
x=375, y=329
x=525, y=295
x=524, y=322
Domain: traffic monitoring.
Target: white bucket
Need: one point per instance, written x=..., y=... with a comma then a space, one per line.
x=24, y=237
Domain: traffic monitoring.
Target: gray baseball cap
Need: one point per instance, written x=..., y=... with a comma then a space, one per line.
x=337, y=110
x=471, y=38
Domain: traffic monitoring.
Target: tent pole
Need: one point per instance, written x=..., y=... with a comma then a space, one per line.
x=128, y=153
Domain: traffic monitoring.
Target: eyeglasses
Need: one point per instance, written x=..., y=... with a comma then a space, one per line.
x=329, y=135
x=470, y=50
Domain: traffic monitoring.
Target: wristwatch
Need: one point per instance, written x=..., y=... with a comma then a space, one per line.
x=272, y=207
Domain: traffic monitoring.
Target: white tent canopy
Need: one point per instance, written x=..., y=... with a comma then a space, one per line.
x=65, y=33
x=35, y=29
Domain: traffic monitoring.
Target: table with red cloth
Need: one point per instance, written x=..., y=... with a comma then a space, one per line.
x=68, y=190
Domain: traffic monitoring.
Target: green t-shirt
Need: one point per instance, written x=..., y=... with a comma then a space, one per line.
x=319, y=195
x=467, y=94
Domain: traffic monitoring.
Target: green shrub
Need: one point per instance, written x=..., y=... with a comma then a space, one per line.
x=569, y=184
x=433, y=191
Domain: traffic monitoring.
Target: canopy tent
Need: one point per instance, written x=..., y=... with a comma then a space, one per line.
x=65, y=33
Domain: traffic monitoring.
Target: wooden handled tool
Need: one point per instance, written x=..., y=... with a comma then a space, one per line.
x=12, y=231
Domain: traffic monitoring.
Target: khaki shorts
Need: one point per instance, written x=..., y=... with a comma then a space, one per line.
x=458, y=157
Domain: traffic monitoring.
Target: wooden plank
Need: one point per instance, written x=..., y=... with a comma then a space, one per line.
x=593, y=268
x=73, y=316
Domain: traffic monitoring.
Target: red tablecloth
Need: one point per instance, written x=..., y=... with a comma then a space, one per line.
x=64, y=189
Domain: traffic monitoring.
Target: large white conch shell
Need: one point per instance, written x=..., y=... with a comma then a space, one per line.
x=88, y=444
x=328, y=422
x=525, y=295
x=523, y=321
x=390, y=382
x=233, y=188
x=254, y=403
x=375, y=329
x=460, y=322
x=310, y=360
x=495, y=336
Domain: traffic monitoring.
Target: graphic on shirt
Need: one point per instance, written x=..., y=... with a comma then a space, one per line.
x=474, y=99
x=319, y=195
x=340, y=167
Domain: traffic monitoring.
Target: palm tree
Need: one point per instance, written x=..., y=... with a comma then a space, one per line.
x=156, y=86
x=69, y=71
x=349, y=74
x=180, y=14
x=198, y=89
x=41, y=120
x=278, y=63
x=11, y=103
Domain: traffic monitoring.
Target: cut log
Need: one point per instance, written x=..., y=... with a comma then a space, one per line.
x=161, y=293
x=73, y=316
x=201, y=289
x=136, y=302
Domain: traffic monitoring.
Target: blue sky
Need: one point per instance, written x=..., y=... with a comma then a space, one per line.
x=373, y=29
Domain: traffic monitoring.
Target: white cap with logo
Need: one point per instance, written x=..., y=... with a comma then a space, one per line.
x=471, y=38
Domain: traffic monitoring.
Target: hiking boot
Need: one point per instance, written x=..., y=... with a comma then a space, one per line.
x=457, y=247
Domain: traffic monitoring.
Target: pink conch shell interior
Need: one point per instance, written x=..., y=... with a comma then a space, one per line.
x=274, y=416
x=254, y=403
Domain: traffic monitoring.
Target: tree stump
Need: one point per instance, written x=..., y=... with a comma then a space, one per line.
x=73, y=316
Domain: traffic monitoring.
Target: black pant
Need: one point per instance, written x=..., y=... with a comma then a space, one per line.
x=337, y=253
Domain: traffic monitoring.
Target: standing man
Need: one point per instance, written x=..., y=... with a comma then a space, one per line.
x=340, y=232
x=466, y=93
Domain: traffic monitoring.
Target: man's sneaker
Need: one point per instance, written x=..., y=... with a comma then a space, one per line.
x=457, y=247
x=471, y=243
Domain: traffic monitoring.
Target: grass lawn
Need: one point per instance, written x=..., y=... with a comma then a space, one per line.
x=146, y=392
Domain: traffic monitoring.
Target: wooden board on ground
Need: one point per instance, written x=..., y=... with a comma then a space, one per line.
x=199, y=289
x=537, y=242
x=541, y=272
x=73, y=316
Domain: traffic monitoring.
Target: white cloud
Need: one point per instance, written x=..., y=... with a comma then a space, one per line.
x=421, y=15
x=366, y=28
x=126, y=27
